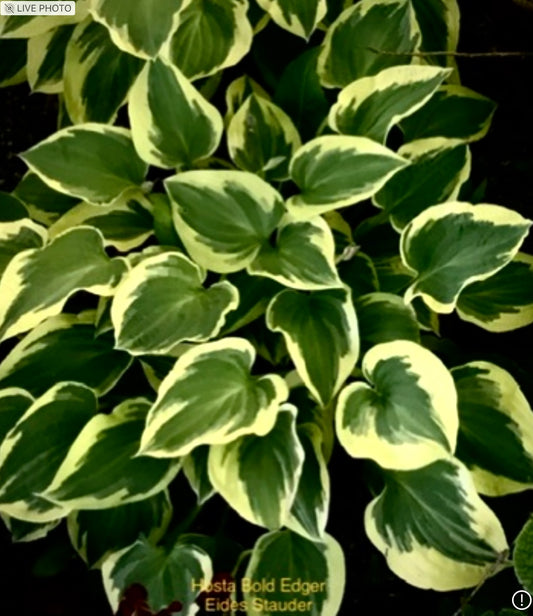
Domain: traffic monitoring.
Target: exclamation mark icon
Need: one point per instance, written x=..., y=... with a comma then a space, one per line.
x=521, y=600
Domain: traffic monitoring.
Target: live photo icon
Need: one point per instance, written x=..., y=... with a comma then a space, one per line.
x=31, y=7
x=521, y=600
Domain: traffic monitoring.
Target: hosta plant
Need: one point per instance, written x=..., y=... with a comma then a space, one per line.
x=231, y=259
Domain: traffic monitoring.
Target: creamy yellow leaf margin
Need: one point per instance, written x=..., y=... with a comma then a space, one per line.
x=85, y=213
x=14, y=402
x=43, y=511
x=25, y=532
x=113, y=186
x=381, y=88
x=428, y=148
x=306, y=274
x=306, y=518
x=442, y=108
x=263, y=563
x=164, y=410
x=399, y=447
x=204, y=570
x=227, y=473
x=22, y=234
x=245, y=130
x=205, y=249
x=322, y=163
x=14, y=228
x=509, y=401
x=360, y=11
x=298, y=347
x=122, y=35
x=126, y=412
x=287, y=14
x=193, y=12
x=36, y=339
x=148, y=135
x=38, y=49
x=425, y=567
x=17, y=27
x=17, y=281
x=94, y=64
x=484, y=213
x=509, y=317
x=238, y=91
x=167, y=265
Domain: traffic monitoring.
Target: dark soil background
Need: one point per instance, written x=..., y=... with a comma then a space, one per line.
x=48, y=579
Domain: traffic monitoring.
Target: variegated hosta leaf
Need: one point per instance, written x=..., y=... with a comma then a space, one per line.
x=172, y=124
x=101, y=469
x=285, y=557
x=46, y=58
x=26, y=26
x=44, y=204
x=502, y=302
x=37, y=282
x=96, y=534
x=13, y=72
x=438, y=169
x=310, y=508
x=93, y=64
x=371, y=106
x=439, y=26
x=14, y=402
x=258, y=475
x=523, y=556
x=262, y=138
x=138, y=28
x=34, y=448
x=377, y=26
x=385, y=317
x=64, y=348
x=300, y=17
x=409, y=418
x=187, y=413
x=452, y=245
x=93, y=162
x=162, y=302
x=454, y=112
x=25, y=532
x=321, y=333
x=11, y=208
x=195, y=469
x=238, y=91
x=211, y=35
x=19, y=235
x=303, y=256
x=223, y=217
x=168, y=574
x=125, y=224
x=460, y=539
x=335, y=171
x=495, y=429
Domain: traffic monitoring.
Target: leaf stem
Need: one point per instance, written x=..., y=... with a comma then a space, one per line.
x=171, y=537
x=454, y=54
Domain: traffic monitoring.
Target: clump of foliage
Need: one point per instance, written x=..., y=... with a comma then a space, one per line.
x=266, y=241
